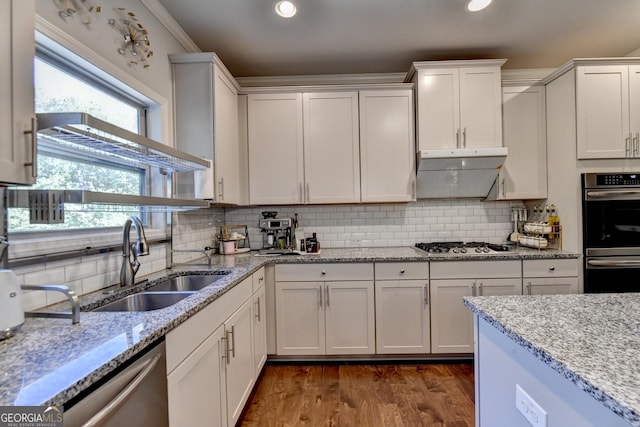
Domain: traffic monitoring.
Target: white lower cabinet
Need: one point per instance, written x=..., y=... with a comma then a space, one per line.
x=197, y=386
x=239, y=360
x=211, y=362
x=451, y=321
x=402, y=308
x=259, y=321
x=318, y=317
x=550, y=276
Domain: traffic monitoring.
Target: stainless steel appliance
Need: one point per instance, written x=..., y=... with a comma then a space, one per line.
x=276, y=232
x=611, y=232
x=461, y=247
x=135, y=396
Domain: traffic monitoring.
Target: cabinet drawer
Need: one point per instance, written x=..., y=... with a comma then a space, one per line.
x=184, y=339
x=550, y=268
x=474, y=269
x=258, y=279
x=401, y=270
x=323, y=272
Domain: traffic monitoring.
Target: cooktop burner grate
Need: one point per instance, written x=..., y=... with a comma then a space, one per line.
x=461, y=247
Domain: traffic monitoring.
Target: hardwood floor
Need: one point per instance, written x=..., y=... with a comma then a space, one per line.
x=363, y=395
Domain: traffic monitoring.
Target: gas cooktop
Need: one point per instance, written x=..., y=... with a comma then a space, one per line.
x=461, y=247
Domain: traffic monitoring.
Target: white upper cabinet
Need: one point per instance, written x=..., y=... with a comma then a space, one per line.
x=524, y=174
x=331, y=147
x=206, y=116
x=459, y=104
x=17, y=115
x=603, y=113
x=276, y=162
x=387, y=144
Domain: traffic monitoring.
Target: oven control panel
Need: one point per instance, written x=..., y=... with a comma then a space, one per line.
x=593, y=180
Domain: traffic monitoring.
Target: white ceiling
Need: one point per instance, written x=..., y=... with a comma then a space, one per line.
x=375, y=36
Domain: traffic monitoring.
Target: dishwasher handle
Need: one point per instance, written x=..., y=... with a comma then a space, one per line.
x=105, y=413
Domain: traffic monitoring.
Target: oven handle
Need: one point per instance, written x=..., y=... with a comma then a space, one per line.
x=611, y=263
x=613, y=194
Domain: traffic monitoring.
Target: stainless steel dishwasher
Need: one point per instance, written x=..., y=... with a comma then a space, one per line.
x=135, y=396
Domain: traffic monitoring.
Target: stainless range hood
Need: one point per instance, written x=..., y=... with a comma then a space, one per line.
x=460, y=173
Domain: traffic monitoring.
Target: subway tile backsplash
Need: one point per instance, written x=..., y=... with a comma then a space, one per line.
x=341, y=226
x=386, y=225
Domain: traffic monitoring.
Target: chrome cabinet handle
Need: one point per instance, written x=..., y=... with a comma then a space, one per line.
x=308, y=193
x=458, y=138
x=504, y=193
x=326, y=289
x=320, y=296
x=552, y=269
x=260, y=279
x=473, y=290
x=225, y=355
x=34, y=147
x=123, y=396
x=426, y=294
x=636, y=144
x=402, y=271
x=480, y=289
x=464, y=138
x=258, y=313
x=527, y=288
x=233, y=341
x=627, y=144
x=220, y=194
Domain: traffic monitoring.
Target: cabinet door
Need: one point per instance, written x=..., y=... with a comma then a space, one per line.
x=197, y=386
x=276, y=165
x=239, y=361
x=17, y=48
x=602, y=109
x=402, y=317
x=300, y=325
x=350, y=317
x=634, y=107
x=451, y=321
x=259, y=330
x=331, y=147
x=490, y=287
x=480, y=107
x=524, y=174
x=387, y=144
x=550, y=285
x=438, y=109
x=227, y=164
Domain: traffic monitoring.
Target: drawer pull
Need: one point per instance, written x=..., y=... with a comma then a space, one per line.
x=552, y=269
x=402, y=271
x=324, y=273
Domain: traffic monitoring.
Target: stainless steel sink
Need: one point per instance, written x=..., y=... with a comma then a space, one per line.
x=145, y=301
x=193, y=282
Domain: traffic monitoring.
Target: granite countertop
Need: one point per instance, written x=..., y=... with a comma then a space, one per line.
x=50, y=360
x=593, y=340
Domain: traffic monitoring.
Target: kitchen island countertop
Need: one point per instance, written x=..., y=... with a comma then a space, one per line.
x=592, y=340
x=50, y=361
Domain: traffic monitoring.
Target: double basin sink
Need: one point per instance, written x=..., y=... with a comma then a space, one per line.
x=164, y=293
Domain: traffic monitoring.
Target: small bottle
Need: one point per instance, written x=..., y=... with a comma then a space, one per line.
x=554, y=222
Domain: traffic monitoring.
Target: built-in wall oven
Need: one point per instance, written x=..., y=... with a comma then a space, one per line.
x=611, y=232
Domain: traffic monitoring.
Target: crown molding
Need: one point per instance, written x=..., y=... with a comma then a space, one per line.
x=577, y=62
x=320, y=80
x=165, y=18
x=525, y=76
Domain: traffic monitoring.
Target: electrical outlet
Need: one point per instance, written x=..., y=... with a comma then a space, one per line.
x=530, y=409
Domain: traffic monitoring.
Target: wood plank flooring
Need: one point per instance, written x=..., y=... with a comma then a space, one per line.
x=406, y=395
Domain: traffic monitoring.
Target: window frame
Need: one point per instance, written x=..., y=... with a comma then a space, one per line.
x=99, y=71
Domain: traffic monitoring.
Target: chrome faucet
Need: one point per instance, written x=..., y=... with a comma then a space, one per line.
x=139, y=248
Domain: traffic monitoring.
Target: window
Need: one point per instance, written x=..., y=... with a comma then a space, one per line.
x=63, y=88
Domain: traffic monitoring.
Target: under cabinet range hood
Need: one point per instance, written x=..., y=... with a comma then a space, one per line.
x=460, y=173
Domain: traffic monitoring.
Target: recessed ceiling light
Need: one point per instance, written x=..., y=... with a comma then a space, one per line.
x=286, y=8
x=476, y=5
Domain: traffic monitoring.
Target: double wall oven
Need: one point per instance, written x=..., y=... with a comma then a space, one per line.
x=611, y=232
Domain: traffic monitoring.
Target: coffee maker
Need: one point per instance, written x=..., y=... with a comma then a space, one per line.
x=276, y=232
